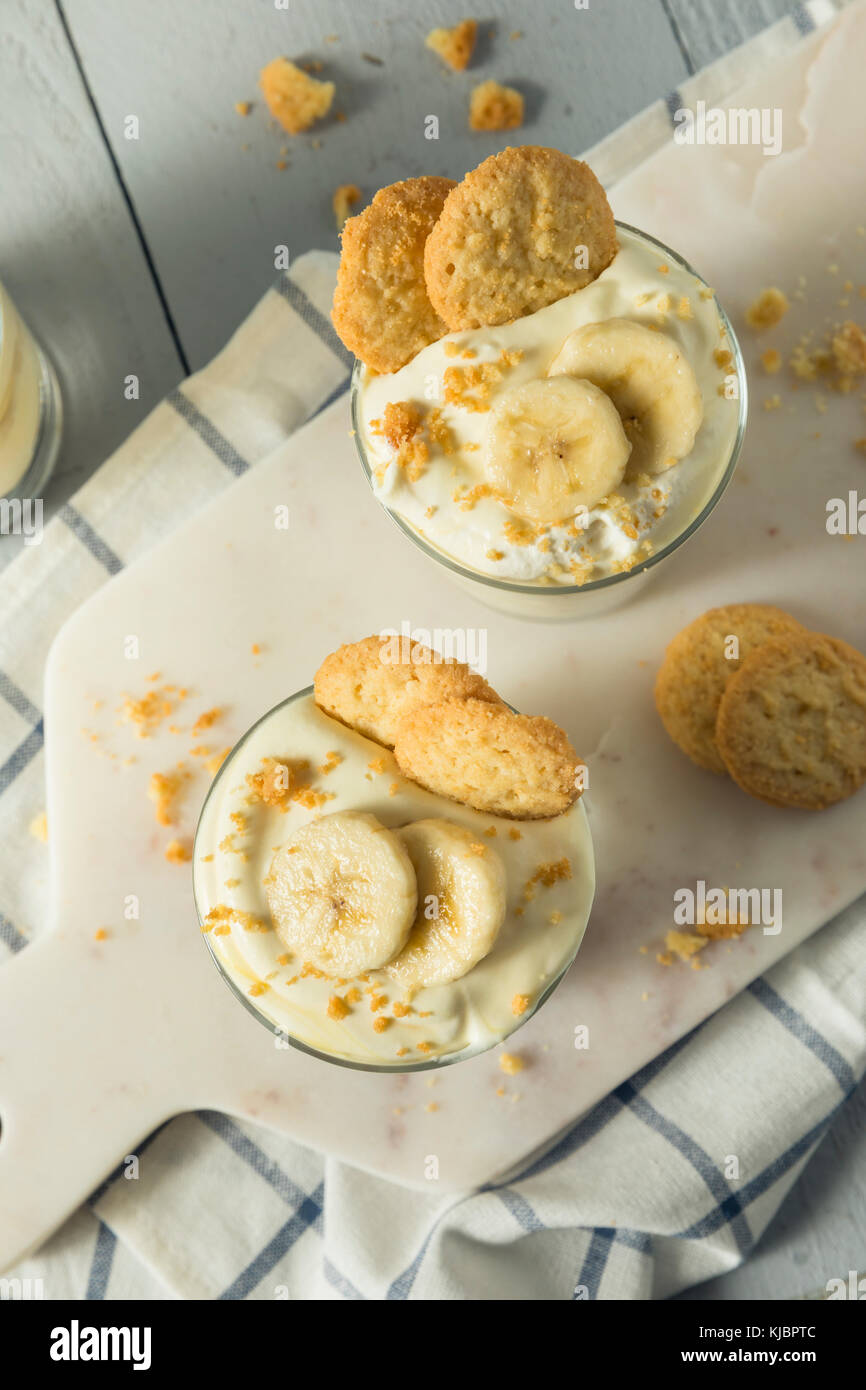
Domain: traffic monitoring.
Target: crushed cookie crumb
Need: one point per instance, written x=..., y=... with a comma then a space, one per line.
x=338, y=1009
x=344, y=199
x=178, y=852
x=767, y=310
x=511, y=1063
x=519, y=1004
x=293, y=97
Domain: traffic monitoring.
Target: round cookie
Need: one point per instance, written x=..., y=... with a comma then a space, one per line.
x=506, y=241
x=381, y=309
x=484, y=756
x=695, y=671
x=371, y=684
x=792, y=722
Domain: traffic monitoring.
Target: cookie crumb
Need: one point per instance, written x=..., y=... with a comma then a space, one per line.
x=519, y=1004
x=337, y=1008
x=100, y=935
x=294, y=98
x=178, y=852
x=494, y=107
x=767, y=310
x=454, y=46
x=511, y=1063
x=38, y=827
x=345, y=197
x=243, y=108
x=684, y=944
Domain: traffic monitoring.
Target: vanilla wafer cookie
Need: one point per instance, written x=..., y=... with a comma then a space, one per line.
x=381, y=309
x=791, y=726
x=370, y=685
x=485, y=756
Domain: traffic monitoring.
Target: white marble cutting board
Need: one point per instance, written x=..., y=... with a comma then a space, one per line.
x=100, y=1041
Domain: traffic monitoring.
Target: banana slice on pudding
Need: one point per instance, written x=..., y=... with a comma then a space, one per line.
x=461, y=904
x=554, y=445
x=650, y=382
x=342, y=893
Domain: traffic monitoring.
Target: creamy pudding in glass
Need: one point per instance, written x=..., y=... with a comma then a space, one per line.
x=30, y=407
x=373, y=921
x=681, y=411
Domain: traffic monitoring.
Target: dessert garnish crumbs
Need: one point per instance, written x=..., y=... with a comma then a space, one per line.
x=206, y=720
x=515, y=834
x=377, y=765
x=771, y=361
x=401, y=1010
x=353, y=995
x=491, y=832
x=214, y=764
x=767, y=310
x=146, y=712
x=555, y=918
x=454, y=46
x=547, y=875
x=332, y=760
x=511, y=1063
x=100, y=935
x=178, y=852
x=519, y=1004
x=380, y=1024
x=401, y=1051
x=394, y=788
x=164, y=789
x=221, y=918
x=337, y=1007
x=243, y=108
x=378, y=1001
x=343, y=200
x=283, y=959
x=425, y=1047
x=431, y=1106
x=38, y=827
x=494, y=107
x=684, y=944
x=294, y=98
x=258, y=988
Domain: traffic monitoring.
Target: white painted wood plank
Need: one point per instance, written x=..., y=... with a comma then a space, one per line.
x=213, y=212
x=708, y=29
x=68, y=251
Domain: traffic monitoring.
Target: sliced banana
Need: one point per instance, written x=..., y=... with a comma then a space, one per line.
x=650, y=382
x=461, y=904
x=554, y=445
x=342, y=893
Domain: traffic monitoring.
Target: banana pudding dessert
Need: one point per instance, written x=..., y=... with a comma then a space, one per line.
x=393, y=869
x=543, y=397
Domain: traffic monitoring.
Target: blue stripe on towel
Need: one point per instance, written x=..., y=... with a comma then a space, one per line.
x=23, y=754
x=100, y=1267
x=313, y=318
x=208, y=433
x=82, y=528
x=309, y=1214
x=804, y=1033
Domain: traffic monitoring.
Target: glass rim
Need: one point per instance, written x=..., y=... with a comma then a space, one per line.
x=423, y=1064
x=608, y=581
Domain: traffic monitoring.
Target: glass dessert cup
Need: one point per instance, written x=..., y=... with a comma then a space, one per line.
x=205, y=841
x=553, y=602
x=31, y=408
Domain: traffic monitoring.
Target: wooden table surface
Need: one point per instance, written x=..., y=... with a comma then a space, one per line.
x=141, y=255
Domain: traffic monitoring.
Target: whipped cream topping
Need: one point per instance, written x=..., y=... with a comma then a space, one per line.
x=550, y=886
x=443, y=499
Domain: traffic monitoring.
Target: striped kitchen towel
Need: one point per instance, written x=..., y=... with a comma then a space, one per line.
x=670, y=1180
